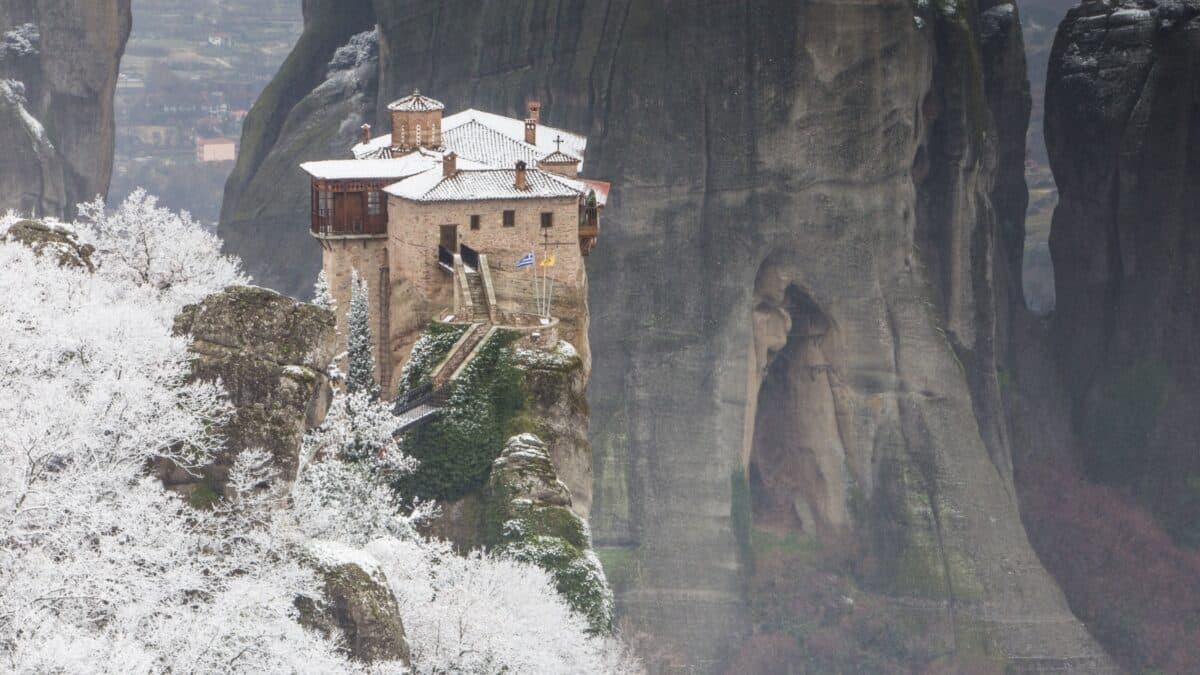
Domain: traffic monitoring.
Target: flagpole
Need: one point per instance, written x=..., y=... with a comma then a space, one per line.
x=533, y=276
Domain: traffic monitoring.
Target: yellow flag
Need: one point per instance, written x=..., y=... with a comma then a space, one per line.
x=548, y=262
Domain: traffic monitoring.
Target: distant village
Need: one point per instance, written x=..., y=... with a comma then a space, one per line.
x=190, y=74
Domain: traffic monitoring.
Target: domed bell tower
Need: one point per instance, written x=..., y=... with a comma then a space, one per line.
x=416, y=123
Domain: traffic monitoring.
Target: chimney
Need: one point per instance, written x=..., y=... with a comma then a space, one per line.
x=522, y=177
x=449, y=165
x=535, y=111
x=366, y=134
x=531, y=131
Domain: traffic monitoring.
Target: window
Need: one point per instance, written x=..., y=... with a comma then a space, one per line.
x=403, y=134
x=510, y=218
x=418, y=134
x=374, y=203
x=547, y=219
x=474, y=222
x=324, y=203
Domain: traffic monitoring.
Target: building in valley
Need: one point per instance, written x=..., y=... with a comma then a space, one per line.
x=441, y=213
x=215, y=150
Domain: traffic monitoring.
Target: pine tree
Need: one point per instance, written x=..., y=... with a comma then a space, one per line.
x=360, y=376
x=322, y=297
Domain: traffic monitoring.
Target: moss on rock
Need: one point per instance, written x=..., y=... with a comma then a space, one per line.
x=54, y=240
x=527, y=514
x=271, y=353
x=357, y=605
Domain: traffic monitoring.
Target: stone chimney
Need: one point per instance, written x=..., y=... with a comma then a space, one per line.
x=535, y=112
x=366, y=134
x=449, y=165
x=522, y=177
x=531, y=131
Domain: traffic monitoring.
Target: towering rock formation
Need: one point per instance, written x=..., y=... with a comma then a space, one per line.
x=798, y=308
x=58, y=73
x=1123, y=130
x=313, y=108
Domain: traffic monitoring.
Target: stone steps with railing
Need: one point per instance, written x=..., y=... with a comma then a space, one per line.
x=424, y=404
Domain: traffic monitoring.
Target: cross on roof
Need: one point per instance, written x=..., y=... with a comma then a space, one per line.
x=558, y=141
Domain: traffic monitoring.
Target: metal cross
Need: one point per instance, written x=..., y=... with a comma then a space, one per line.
x=558, y=141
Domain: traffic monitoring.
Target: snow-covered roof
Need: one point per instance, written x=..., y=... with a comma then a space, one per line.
x=477, y=184
x=389, y=168
x=368, y=169
x=559, y=157
x=483, y=144
x=492, y=139
x=572, y=143
x=583, y=187
x=415, y=102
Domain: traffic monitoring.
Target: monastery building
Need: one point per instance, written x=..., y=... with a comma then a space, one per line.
x=443, y=214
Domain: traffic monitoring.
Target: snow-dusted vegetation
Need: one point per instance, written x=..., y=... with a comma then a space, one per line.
x=103, y=570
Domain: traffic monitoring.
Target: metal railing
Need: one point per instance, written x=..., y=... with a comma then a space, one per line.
x=416, y=398
x=470, y=256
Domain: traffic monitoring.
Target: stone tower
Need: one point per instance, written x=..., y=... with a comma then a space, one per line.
x=416, y=123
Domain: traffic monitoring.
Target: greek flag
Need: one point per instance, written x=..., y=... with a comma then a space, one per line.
x=527, y=261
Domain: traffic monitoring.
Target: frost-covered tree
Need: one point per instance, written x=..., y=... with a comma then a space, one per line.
x=487, y=614
x=99, y=564
x=347, y=466
x=151, y=246
x=101, y=568
x=322, y=296
x=360, y=352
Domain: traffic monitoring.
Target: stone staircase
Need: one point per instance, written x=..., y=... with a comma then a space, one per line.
x=463, y=351
x=424, y=405
x=479, y=303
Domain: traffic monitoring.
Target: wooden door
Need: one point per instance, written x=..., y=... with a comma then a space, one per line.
x=449, y=240
x=356, y=211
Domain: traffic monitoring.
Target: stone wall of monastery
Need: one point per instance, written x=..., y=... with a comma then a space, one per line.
x=415, y=235
x=341, y=257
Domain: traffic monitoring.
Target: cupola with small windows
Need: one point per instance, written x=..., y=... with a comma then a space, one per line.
x=416, y=123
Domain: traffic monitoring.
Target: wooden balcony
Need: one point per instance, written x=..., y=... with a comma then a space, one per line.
x=589, y=231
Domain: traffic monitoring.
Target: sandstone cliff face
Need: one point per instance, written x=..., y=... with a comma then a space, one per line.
x=59, y=61
x=798, y=303
x=1123, y=130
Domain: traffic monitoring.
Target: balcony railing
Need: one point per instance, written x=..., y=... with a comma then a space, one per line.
x=328, y=226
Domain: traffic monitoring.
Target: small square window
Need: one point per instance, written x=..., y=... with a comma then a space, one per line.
x=475, y=222
x=510, y=218
x=547, y=219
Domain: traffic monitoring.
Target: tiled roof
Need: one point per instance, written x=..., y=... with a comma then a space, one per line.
x=572, y=143
x=472, y=185
x=387, y=169
x=484, y=144
x=415, y=102
x=479, y=134
x=559, y=157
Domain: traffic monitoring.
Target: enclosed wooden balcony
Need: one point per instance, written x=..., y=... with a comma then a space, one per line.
x=348, y=209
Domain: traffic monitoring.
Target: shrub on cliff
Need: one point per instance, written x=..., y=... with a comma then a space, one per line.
x=456, y=450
